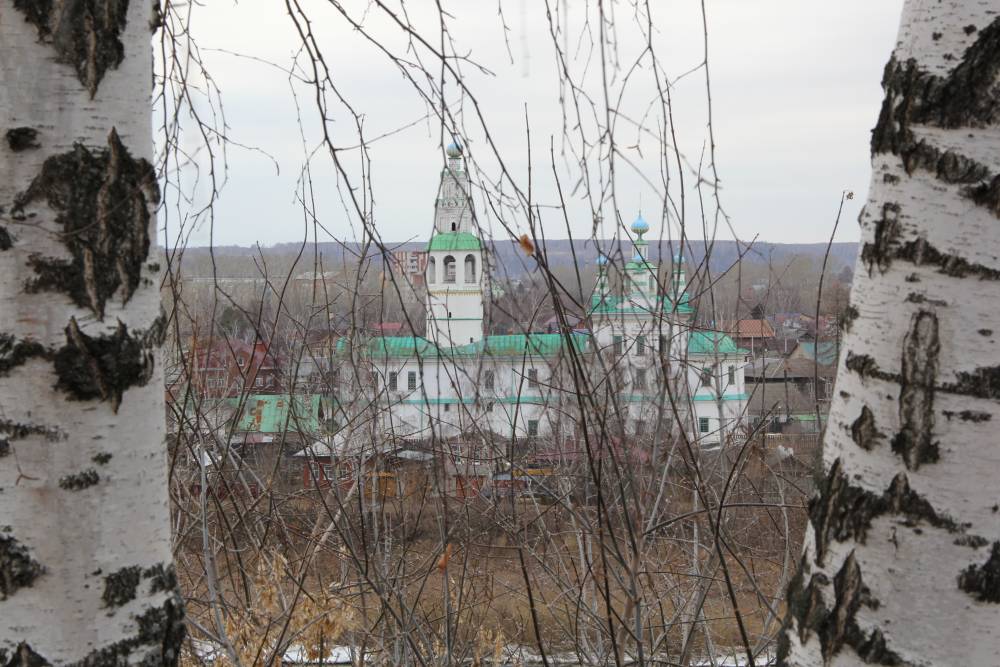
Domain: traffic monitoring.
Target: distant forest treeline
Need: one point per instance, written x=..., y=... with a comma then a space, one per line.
x=512, y=262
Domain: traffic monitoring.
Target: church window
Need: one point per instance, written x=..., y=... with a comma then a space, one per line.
x=706, y=376
x=533, y=378
x=488, y=380
x=431, y=270
x=452, y=225
x=618, y=345
x=411, y=380
x=640, y=346
x=449, y=269
x=447, y=407
x=532, y=428
x=663, y=344
x=489, y=407
x=470, y=269
x=640, y=427
x=640, y=378
x=703, y=424
x=732, y=376
x=393, y=381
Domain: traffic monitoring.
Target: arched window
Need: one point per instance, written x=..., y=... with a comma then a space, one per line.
x=470, y=269
x=449, y=269
x=431, y=271
x=453, y=226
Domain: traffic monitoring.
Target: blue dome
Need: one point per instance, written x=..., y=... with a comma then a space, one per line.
x=454, y=149
x=640, y=226
x=602, y=260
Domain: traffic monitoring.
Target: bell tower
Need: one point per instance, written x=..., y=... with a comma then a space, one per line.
x=455, y=265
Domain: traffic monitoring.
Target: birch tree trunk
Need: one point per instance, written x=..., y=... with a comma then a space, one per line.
x=902, y=561
x=85, y=574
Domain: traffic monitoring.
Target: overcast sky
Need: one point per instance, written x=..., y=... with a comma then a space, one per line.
x=795, y=92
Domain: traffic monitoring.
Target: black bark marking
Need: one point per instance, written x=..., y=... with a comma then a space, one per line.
x=922, y=253
x=983, y=581
x=102, y=200
x=79, y=481
x=864, y=432
x=914, y=440
x=23, y=656
x=156, y=643
x=18, y=430
x=162, y=577
x=967, y=97
x=916, y=297
x=84, y=33
x=22, y=139
x=102, y=458
x=847, y=318
x=982, y=383
x=886, y=248
x=969, y=29
x=866, y=366
x=974, y=541
x=973, y=416
x=17, y=568
x=805, y=603
x=843, y=511
x=877, y=253
x=14, y=352
x=985, y=332
x=6, y=240
x=4, y=448
x=121, y=587
x=156, y=18
x=103, y=367
x=836, y=627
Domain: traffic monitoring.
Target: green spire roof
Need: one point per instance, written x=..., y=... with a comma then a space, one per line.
x=455, y=241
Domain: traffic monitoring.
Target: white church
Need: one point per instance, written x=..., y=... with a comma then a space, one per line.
x=641, y=361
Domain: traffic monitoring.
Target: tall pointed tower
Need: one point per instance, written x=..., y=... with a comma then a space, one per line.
x=455, y=261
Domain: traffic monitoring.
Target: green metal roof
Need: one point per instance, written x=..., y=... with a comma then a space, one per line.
x=274, y=413
x=537, y=344
x=824, y=353
x=725, y=397
x=612, y=304
x=496, y=346
x=401, y=346
x=644, y=266
x=711, y=342
x=455, y=241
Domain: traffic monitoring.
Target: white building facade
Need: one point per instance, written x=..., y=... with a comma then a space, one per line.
x=642, y=363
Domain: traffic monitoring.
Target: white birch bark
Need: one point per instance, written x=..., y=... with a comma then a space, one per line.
x=902, y=557
x=85, y=574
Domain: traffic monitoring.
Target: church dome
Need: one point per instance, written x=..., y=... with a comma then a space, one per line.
x=640, y=226
x=454, y=149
